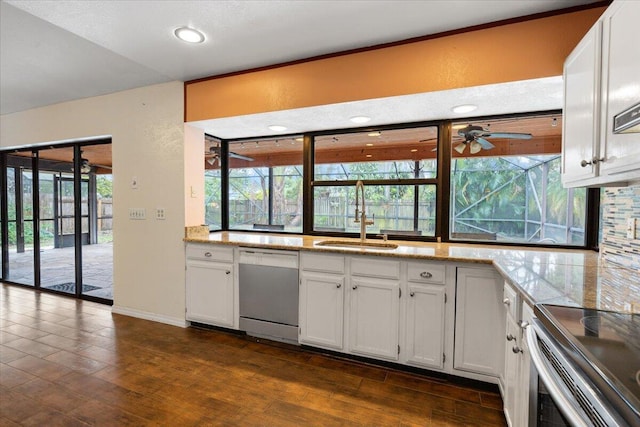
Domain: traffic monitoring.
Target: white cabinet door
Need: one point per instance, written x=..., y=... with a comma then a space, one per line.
x=373, y=317
x=524, y=382
x=511, y=371
x=480, y=324
x=321, y=309
x=425, y=325
x=620, y=89
x=581, y=112
x=210, y=293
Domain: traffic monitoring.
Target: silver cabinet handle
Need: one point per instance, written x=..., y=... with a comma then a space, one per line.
x=524, y=324
x=510, y=337
x=593, y=161
x=354, y=287
x=426, y=275
x=207, y=254
x=412, y=293
x=516, y=349
x=338, y=286
x=506, y=301
x=227, y=272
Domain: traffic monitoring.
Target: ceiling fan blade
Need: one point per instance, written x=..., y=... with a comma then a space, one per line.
x=240, y=156
x=484, y=143
x=507, y=135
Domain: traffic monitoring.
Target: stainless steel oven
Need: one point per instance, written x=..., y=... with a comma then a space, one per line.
x=585, y=367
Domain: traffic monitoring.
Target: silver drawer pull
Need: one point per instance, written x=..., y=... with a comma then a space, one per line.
x=338, y=286
x=516, y=349
x=412, y=294
x=207, y=254
x=355, y=287
x=510, y=337
x=426, y=275
x=227, y=272
x=506, y=302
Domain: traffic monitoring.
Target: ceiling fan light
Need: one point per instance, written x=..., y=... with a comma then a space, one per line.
x=277, y=128
x=460, y=147
x=475, y=147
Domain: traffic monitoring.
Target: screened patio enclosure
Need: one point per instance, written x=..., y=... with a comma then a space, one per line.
x=515, y=199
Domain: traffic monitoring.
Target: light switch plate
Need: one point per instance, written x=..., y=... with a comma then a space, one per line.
x=631, y=228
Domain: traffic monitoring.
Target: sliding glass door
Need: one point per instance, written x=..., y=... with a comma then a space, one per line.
x=56, y=219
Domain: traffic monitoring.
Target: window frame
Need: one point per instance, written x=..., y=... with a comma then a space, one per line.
x=442, y=183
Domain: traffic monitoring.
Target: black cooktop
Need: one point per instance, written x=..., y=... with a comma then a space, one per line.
x=605, y=345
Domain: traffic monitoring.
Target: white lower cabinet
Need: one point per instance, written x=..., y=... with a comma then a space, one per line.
x=480, y=322
x=425, y=325
x=321, y=309
x=210, y=292
x=373, y=317
x=524, y=382
x=511, y=371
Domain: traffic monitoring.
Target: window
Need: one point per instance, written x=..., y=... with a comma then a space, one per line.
x=505, y=183
x=399, y=170
x=265, y=184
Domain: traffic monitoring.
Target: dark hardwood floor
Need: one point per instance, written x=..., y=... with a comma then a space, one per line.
x=65, y=362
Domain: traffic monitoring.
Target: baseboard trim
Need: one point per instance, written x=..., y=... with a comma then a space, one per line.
x=182, y=323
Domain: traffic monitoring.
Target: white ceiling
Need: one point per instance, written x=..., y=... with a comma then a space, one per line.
x=56, y=51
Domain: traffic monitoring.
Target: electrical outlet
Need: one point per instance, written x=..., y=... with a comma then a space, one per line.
x=631, y=228
x=160, y=214
x=137, y=213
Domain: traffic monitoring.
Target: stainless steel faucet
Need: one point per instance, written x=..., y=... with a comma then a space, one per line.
x=361, y=216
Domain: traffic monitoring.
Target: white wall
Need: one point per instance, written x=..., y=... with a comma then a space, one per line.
x=147, y=129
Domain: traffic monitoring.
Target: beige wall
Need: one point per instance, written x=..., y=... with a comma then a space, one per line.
x=147, y=129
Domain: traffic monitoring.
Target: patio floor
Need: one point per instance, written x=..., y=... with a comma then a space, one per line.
x=57, y=269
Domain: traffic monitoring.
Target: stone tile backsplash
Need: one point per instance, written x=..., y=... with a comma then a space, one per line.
x=618, y=204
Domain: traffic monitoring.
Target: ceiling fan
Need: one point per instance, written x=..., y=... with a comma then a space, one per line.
x=475, y=138
x=87, y=167
x=214, y=154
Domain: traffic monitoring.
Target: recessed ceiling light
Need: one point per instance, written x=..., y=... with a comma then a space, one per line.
x=369, y=144
x=459, y=126
x=414, y=150
x=360, y=119
x=299, y=139
x=189, y=35
x=277, y=128
x=374, y=134
x=369, y=155
x=467, y=108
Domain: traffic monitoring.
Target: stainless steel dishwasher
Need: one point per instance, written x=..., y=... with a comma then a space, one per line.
x=268, y=288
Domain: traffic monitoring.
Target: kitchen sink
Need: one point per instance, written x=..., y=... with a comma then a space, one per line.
x=357, y=245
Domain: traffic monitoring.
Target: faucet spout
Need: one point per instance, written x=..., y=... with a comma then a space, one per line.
x=361, y=215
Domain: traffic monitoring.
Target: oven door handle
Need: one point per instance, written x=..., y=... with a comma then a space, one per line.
x=555, y=386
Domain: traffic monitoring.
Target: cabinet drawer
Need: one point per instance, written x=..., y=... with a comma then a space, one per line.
x=373, y=267
x=426, y=273
x=511, y=302
x=210, y=252
x=324, y=263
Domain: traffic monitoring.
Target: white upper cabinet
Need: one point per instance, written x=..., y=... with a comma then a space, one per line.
x=601, y=81
x=620, y=89
x=581, y=110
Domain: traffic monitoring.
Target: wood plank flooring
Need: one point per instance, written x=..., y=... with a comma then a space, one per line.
x=65, y=362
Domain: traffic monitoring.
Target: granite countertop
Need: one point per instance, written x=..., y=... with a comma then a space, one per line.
x=553, y=276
